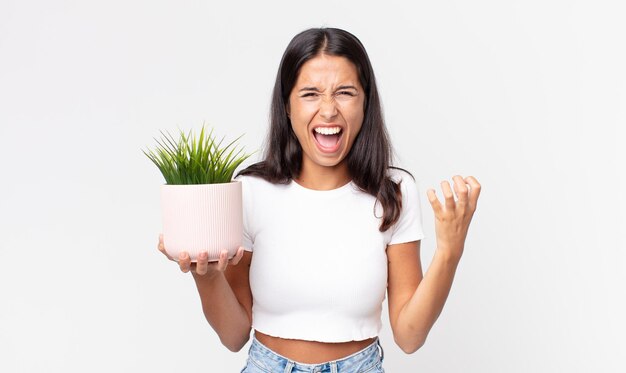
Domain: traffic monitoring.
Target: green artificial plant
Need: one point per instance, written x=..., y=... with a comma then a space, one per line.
x=196, y=159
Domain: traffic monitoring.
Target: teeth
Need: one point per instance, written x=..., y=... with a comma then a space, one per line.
x=328, y=130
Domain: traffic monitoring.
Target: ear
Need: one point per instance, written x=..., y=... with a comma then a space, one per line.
x=287, y=110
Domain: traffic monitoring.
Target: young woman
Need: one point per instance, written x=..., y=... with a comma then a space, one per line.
x=330, y=227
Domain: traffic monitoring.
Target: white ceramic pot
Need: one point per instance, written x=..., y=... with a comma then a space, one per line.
x=204, y=217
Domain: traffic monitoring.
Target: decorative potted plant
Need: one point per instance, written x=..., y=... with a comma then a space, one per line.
x=201, y=204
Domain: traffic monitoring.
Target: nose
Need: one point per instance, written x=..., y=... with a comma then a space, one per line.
x=328, y=108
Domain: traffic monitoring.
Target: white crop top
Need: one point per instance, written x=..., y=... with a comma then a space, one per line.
x=319, y=268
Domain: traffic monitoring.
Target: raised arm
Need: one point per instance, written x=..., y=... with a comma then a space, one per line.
x=224, y=290
x=416, y=301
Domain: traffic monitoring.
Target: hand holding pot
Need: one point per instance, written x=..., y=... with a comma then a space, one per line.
x=202, y=266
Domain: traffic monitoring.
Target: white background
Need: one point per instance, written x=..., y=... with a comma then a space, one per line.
x=528, y=96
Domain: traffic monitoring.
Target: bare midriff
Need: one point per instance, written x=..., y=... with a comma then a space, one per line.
x=311, y=352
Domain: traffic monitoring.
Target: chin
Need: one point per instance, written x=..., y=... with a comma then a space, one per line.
x=330, y=162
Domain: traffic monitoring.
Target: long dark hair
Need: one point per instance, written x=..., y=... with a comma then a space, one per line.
x=371, y=154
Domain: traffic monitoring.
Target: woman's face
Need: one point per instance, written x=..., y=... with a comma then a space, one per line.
x=326, y=109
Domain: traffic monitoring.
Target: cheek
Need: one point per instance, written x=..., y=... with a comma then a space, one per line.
x=299, y=124
x=355, y=122
x=353, y=111
x=355, y=133
x=302, y=112
x=354, y=115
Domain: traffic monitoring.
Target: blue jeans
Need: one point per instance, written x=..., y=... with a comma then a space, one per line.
x=263, y=360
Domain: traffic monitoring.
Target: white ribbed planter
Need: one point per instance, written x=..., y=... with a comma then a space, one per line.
x=204, y=217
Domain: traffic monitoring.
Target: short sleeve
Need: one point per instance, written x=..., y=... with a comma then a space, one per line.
x=408, y=228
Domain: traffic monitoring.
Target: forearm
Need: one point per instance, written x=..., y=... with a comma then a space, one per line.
x=422, y=310
x=223, y=311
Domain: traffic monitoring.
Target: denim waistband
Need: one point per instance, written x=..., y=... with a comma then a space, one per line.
x=271, y=361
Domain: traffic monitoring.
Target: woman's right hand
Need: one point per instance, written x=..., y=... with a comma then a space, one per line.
x=202, y=266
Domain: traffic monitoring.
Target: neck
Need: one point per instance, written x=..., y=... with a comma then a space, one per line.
x=323, y=178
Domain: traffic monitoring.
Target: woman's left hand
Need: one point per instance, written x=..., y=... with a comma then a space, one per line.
x=452, y=219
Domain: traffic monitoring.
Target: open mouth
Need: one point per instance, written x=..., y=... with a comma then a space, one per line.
x=328, y=138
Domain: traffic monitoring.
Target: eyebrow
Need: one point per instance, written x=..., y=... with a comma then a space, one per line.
x=315, y=89
x=346, y=87
x=309, y=89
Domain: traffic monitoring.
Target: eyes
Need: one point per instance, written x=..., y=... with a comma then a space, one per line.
x=343, y=95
